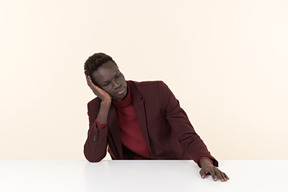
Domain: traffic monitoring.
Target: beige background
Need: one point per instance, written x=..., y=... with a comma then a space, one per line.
x=226, y=61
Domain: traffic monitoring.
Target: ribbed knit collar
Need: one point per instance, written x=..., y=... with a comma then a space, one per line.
x=124, y=102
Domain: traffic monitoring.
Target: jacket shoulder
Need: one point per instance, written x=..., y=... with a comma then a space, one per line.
x=151, y=90
x=148, y=84
x=94, y=101
x=93, y=106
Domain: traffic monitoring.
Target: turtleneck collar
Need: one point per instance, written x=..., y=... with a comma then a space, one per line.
x=126, y=101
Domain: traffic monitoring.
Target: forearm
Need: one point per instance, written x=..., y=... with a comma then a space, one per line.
x=96, y=143
x=195, y=147
x=103, y=112
x=191, y=142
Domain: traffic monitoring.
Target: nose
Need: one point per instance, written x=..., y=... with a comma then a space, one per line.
x=115, y=84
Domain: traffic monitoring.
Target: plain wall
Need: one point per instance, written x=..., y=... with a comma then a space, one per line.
x=226, y=62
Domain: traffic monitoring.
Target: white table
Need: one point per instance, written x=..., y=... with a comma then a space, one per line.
x=138, y=175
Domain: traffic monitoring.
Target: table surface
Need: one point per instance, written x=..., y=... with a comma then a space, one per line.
x=139, y=175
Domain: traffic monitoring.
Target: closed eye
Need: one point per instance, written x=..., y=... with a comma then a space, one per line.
x=115, y=77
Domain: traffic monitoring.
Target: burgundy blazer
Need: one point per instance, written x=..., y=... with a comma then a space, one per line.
x=165, y=126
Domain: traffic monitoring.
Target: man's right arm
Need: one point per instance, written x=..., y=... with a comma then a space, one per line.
x=96, y=143
x=103, y=112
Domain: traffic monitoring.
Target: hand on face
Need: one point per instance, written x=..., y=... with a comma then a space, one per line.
x=104, y=96
x=109, y=78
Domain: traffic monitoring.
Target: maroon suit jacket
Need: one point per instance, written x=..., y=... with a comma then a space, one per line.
x=163, y=123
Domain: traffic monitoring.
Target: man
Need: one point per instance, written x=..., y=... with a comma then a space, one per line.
x=139, y=120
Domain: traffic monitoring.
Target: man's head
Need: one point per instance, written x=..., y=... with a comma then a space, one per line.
x=105, y=73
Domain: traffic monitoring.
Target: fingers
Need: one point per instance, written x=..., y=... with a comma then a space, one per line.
x=207, y=171
x=215, y=173
x=212, y=172
x=89, y=81
x=203, y=173
x=91, y=84
x=225, y=176
x=221, y=175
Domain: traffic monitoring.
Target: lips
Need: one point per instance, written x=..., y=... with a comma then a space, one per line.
x=120, y=92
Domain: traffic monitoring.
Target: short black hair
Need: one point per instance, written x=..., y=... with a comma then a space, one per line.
x=95, y=61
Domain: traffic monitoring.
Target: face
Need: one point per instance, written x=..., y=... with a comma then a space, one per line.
x=109, y=78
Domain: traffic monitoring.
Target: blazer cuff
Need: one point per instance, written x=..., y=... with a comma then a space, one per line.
x=100, y=125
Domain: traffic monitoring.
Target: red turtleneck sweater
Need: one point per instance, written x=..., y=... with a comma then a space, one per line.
x=130, y=133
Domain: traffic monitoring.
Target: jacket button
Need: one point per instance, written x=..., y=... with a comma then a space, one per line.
x=95, y=137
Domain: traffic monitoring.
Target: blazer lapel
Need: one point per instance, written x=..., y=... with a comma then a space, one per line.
x=114, y=132
x=139, y=106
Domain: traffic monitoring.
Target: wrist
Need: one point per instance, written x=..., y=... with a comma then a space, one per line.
x=106, y=102
x=103, y=112
x=204, y=162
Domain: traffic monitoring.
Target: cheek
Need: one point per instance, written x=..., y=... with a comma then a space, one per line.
x=122, y=78
x=107, y=90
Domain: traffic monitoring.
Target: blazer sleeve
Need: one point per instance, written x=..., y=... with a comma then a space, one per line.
x=95, y=147
x=180, y=124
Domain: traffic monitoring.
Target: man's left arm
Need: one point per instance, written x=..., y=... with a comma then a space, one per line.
x=189, y=139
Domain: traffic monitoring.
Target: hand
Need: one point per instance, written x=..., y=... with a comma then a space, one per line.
x=103, y=95
x=208, y=168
